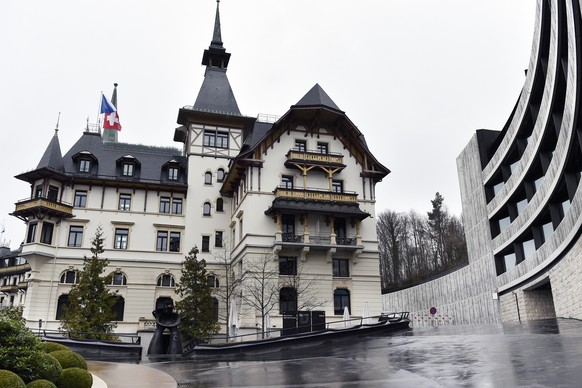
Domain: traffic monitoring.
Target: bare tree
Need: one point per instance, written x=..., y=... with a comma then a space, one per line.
x=305, y=288
x=228, y=286
x=260, y=286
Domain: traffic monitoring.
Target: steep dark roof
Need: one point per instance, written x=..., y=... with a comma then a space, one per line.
x=151, y=159
x=215, y=94
x=52, y=157
x=317, y=97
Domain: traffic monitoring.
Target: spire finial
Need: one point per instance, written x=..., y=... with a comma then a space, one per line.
x=217, y=36
x=114, y=95
x=58, y=120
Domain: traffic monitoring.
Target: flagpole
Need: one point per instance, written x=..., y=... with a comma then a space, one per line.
x=99, y=112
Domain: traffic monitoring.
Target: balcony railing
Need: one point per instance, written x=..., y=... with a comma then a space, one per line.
x=315, y=194
x=14, y=269
x=9, y=288
x=41, y=206
x=319, y=239
x=315, y=157
x=291, y=237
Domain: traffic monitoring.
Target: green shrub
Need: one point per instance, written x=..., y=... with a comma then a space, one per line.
x=52, y=346
x=19, y=347
x=69, y=359
x=40, y=384
x=43, y=366
x=75, y=378
x=10, y=379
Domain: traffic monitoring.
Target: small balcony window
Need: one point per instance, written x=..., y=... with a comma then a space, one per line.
x=337, y=186
x=300, y=145
x=287, y=181
x=322, y=148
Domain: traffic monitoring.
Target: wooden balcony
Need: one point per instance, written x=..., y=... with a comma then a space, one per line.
x=40, y=207
x=315, y=195
x=295, y=159
x=9, y=288
x=14, y=269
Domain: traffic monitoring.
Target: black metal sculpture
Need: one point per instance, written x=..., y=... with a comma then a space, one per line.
x=166, y=318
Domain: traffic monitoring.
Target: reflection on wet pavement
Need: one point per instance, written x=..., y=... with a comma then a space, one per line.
x=538, y=354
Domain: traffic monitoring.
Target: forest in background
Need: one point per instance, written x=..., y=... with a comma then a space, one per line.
x=416, y=247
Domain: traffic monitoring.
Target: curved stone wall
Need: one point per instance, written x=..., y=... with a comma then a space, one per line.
x=522, y=201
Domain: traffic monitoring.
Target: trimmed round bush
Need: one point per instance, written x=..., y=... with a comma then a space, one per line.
x=43, y=366
x=75, y=378
x=40, y=384
x=69, y=359
x=11, y=379
x=49, y=347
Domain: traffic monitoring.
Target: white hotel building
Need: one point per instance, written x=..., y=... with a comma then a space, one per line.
x=300, y=191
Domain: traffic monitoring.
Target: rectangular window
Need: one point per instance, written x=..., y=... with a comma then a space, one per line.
x=322, y=148
x=176, y=205
x=174, y=241
x=337, y=186
x=121, y=238
x=341, y=268
x=53, y=193
x=173, y=173
x=288, y=224
x=218, y=239
x=287, y=181
x=205, y=243
x=164, y=204
x=300, y=145
x=127, y=169
x=162, y=242
x=75, y=236
x=84, y=165
x=31, y=236
x=287, y=265
x=215, y=139
x=46, y=235
x=125, y=202
x=80, y=198
x=38, y=192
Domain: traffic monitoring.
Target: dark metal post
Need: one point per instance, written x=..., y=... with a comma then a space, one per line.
x=39, y=326
x=517, y=305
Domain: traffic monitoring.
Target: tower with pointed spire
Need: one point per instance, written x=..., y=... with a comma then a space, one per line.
x=298, y=192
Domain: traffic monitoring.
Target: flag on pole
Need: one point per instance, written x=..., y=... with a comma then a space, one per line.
x=111, y=119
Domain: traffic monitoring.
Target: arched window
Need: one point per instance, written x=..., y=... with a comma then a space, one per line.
x=206, y=209
x=118, y=279
x=287, y=300
x=166, y=280
x=69, y=277
x=219, y=205
x=207, y=178
x=220, y=175
x=118, y=308
x=212, y=281
x=61, y=303
x=341, y=299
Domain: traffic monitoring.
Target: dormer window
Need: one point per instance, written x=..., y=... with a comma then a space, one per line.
x=85, y=161
x=127, y=169
x=173, y=173
x=84, y=165
x=128, y=166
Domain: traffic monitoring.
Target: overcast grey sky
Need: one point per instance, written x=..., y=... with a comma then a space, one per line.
x=417, y=77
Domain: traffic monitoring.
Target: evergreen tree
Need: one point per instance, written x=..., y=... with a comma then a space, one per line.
x=195, y=305
x=89, y=313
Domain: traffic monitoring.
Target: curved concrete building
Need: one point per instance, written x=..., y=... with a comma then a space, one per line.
x=522, y=201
